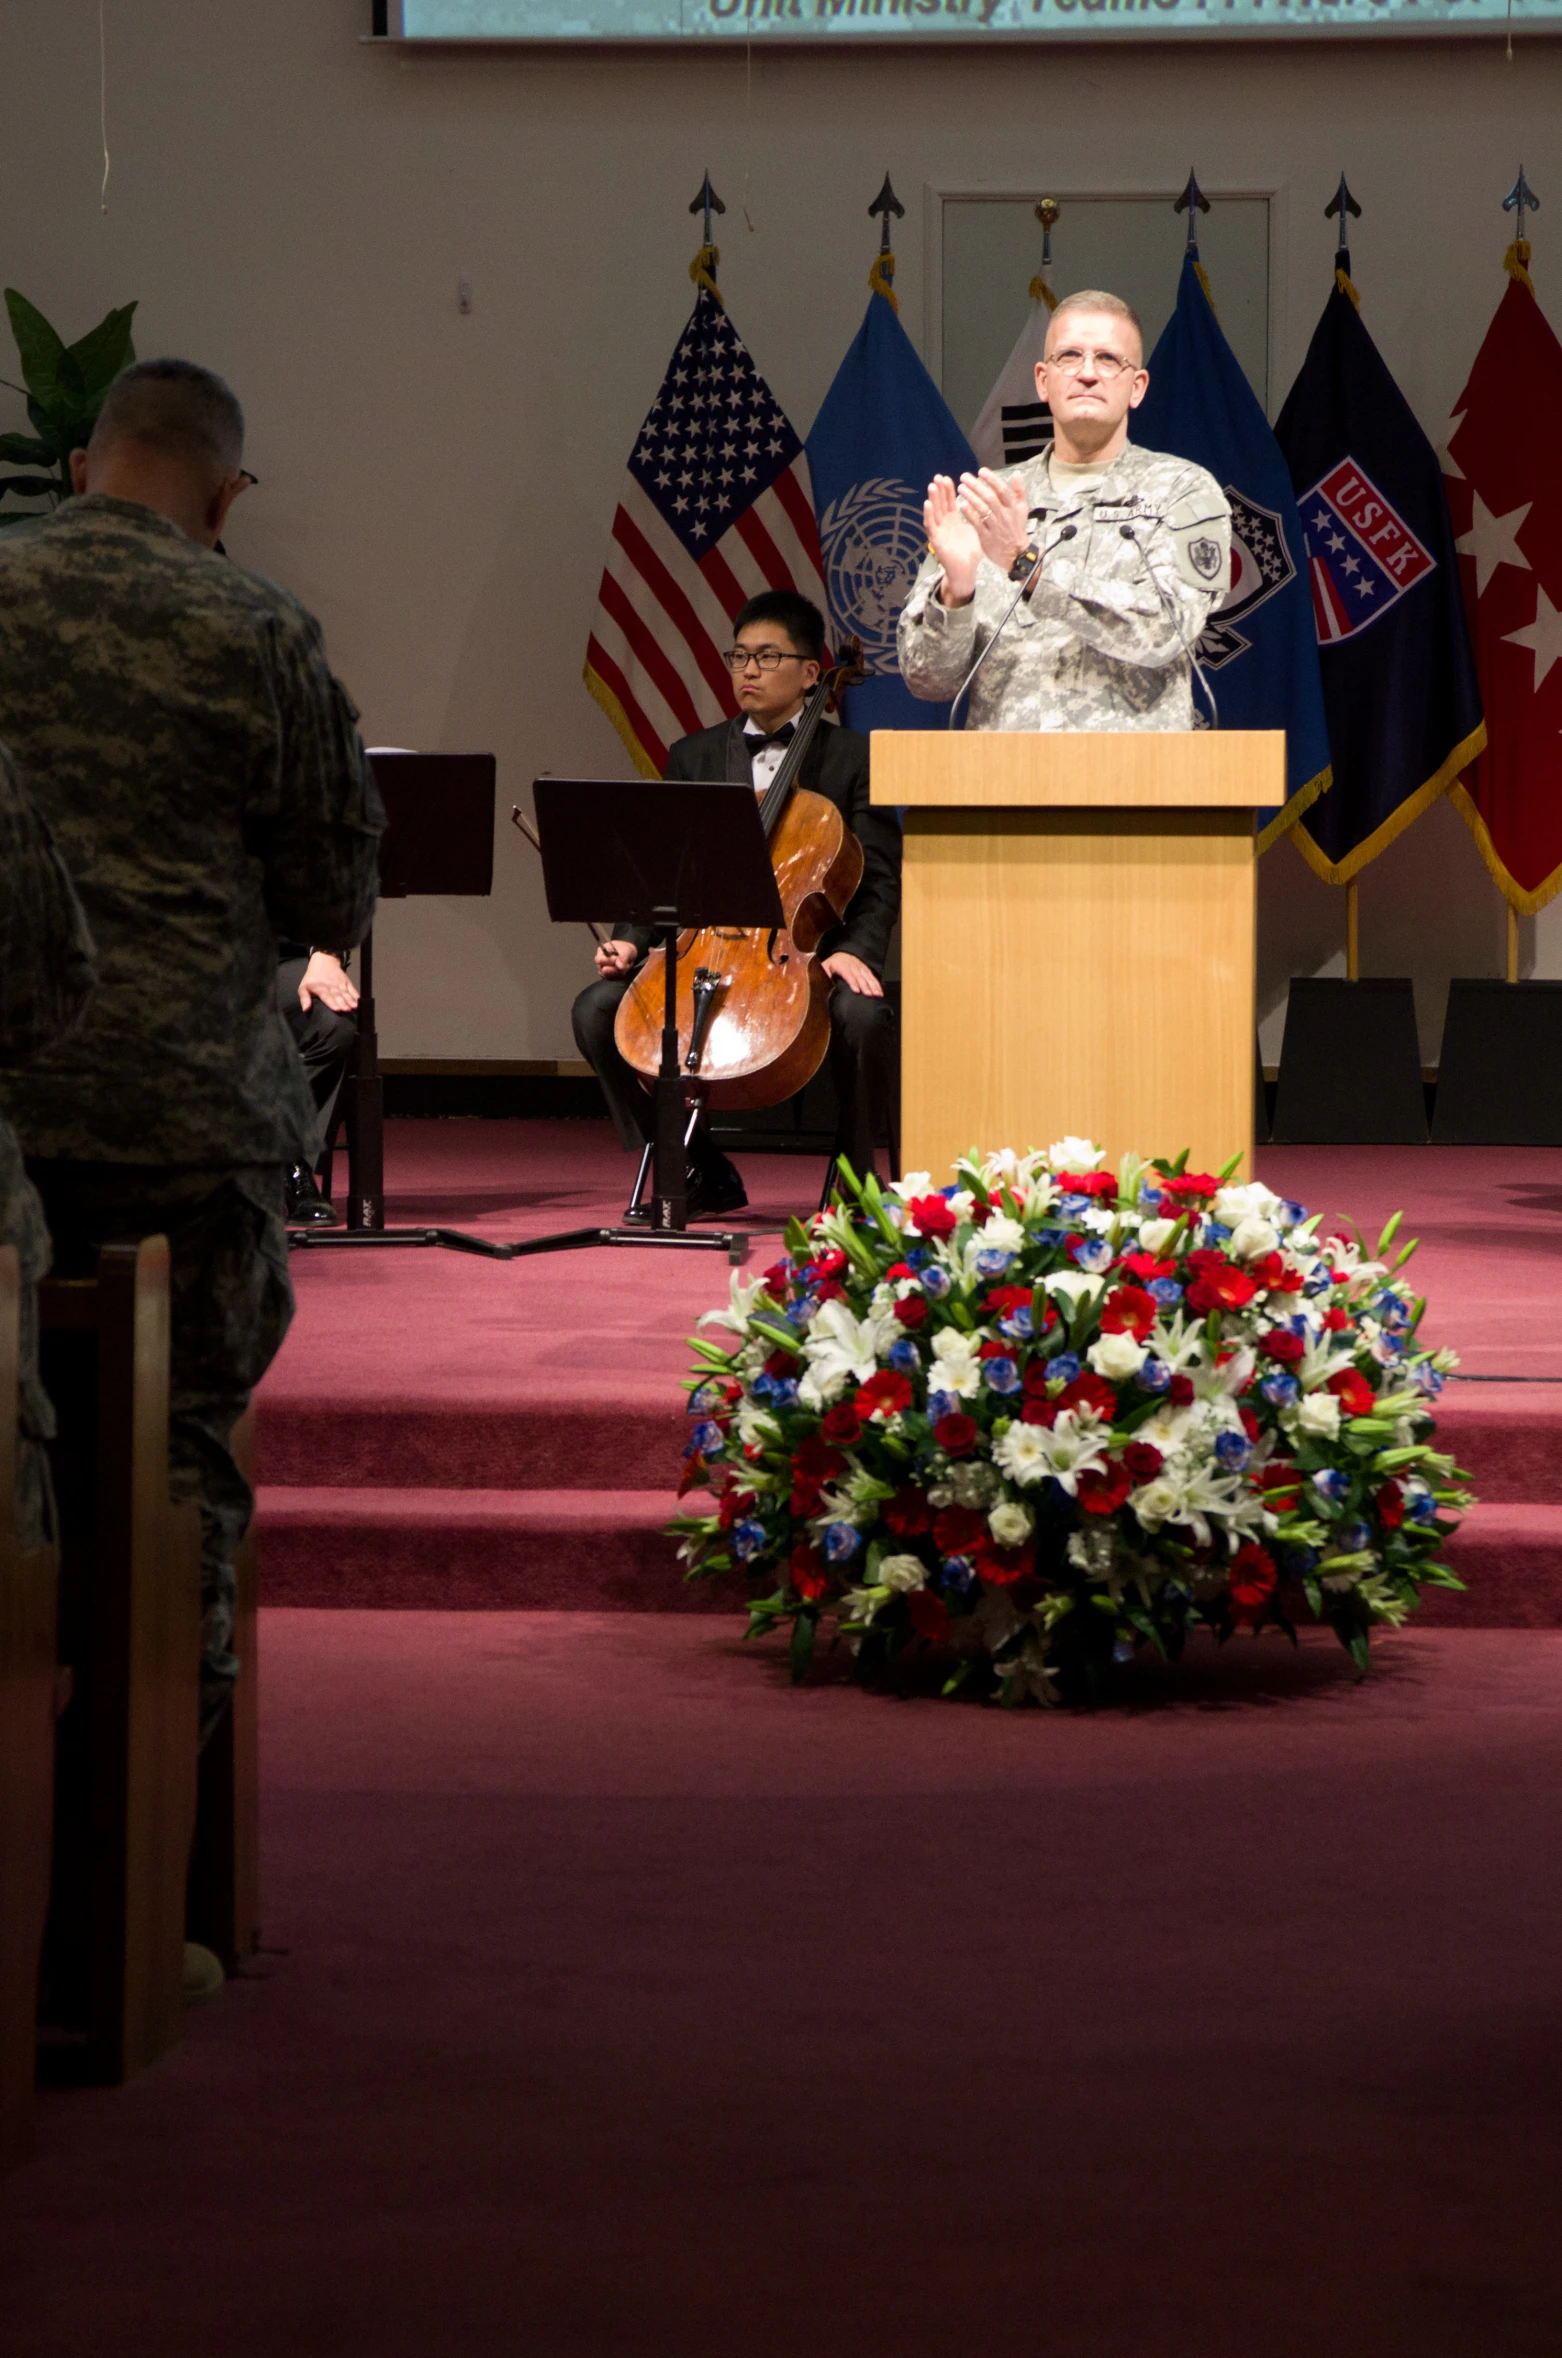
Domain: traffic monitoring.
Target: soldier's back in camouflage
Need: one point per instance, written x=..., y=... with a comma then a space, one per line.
x=1135, y=566
x=179, y=726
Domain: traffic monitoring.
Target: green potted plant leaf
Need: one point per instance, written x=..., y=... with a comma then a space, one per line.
x=65, y=385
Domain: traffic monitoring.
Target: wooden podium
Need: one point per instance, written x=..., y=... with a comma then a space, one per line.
x=1078, y=938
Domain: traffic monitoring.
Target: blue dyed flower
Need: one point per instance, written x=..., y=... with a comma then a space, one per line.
x=707, y=1439
x=1351, y=1538
x=1049, y=1238
x=1319, y=1282
x=841, y=1542
x=1393, y=1311
x=1072, y=1205
x=1153, y=1376
x=941, y=1404
x=959, y=1575
x=703, y=1400
x=1420, y=1506
x=1280, y=1389
x=1296, y=1562
x=992, y=1264
x=1428, y=1377
x=1002, y=1375
x=935, y=1282
x=783, y=1391
x=1150, y=1200
x=1213, y=1232
x=748, y=1538
x=1165, y=1290
x=1017, y=1324
x=1289, y=1214
x=1092, y=1254
x=905, y=1358
x=1332, y=1483
x=918, y=1257
x=1065, y=1366
x=1122, y=1650
x=1232, y=1451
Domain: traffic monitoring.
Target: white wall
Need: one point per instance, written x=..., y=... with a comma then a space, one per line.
x=296, y=209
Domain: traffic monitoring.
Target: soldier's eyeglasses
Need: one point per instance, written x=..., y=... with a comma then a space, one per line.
x=1106, y=364
x=762, y=658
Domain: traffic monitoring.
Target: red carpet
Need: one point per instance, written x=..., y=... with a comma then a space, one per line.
x=444, y=1430
x=634, y=2004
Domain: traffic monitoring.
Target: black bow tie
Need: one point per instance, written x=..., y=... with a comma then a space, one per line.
x=781, y=736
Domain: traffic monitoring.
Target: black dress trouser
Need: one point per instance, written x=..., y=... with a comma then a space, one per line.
x=862, y=1064
x=322, y=1035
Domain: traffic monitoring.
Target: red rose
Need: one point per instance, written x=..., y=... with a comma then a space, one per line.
x=1251, y=1581
x=1249, y=1423
x=1002, y=1566
x=1145, y=1266
x=1189, y=1183
x=981, y=1213
x=1090, y=1391
x=929, y=1615
x=841, y=1424
x=1391, y=1506
x=994, y=1349
x=1143, y=1461
x=908, y=1513
x=1035, y=1377
x=829, y=1289
x=930, y=1215
x=829, y=1264
x=1001, y=1299
x=884, y=1394
x=901, y=1269
x=1336, y=1321
x=1038, y=1410
x=1356, y=1395
x=1128, y=1310
x=1180, y=1391
x=734, y=1505
x=815, y=1458
x=1104, y=1493
x=955, y=1432
x=781, y=1363
x=809, y=1577
x=1278, y=1474
x=911, y=1310
x=958, y=1529
x=692, y=1476
x=778, y=1277
x=807, y=1496
x=1281, y=1344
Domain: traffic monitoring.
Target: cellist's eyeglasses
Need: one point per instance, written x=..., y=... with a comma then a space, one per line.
x=762, y=658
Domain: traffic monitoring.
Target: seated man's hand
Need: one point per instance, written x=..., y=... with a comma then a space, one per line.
x=844, y=968
x=325, y=977
x=616, y=957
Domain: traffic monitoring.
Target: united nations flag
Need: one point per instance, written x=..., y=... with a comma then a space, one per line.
x=883, y=433
x=1258, y=646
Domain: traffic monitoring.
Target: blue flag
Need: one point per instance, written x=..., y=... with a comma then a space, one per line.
x=1399, y=684
x=1259, y=647
x=883, y=433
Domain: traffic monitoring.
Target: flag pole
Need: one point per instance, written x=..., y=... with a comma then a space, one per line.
x=1520, y=199
x=1352, y=933
x=1041, y=289
x=1345, y=205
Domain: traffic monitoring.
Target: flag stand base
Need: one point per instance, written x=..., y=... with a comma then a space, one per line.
x=1350, y=1065
x=1500, y=1076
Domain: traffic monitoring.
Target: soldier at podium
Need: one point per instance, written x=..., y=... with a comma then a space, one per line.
x=1113, y=558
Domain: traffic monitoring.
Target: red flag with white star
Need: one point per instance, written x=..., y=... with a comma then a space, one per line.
x=1503, y=464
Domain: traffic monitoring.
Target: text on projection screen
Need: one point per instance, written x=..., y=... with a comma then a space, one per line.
x=673, y=20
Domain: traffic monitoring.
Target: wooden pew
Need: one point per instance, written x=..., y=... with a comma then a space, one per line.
x=125, y=1787
x=27, y=1715
x=224, y=1896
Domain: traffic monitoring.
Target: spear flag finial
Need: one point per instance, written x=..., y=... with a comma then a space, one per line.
x=707, y=202
x=1343, y=203
x=1046, y=213
x=886, y=203
x=1193, y=202
x=1521, y=199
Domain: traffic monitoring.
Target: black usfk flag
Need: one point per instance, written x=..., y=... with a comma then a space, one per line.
x=1399, y=685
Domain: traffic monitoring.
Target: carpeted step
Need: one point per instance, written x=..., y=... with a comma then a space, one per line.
x=1507, y=1437
x=525, y=1441
x=1511, y=1559
x=475, y=1550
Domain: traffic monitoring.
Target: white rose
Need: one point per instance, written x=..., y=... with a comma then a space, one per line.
x=1023, y=1454
x=1155, y=1502
x=1000, y=1235
x=1072, y=1284
x=1319, y=1412
x=1252, y=1202
x=903, y=1573
x=1251, y=1239
x=1117, y=1356
x=1011, y=1524
x=956, y=1366
x=1075, y=1154
x=1155, y=1233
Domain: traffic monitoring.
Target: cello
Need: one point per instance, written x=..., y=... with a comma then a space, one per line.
x=754, y=1004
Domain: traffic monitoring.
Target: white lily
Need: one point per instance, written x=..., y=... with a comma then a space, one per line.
x=1075, y=1154
x=956, y=1365
x=839, y=1346
x=741, y=1295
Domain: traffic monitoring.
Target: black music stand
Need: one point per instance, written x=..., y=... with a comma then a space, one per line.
x=439, y=838
x=668, y=856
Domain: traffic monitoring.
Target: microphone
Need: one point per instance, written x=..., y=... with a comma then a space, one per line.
x=1069, y=532
x=1169, y=609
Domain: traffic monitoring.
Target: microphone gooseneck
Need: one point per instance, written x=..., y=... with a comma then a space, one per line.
x=1068, y=532
x=1168, y=608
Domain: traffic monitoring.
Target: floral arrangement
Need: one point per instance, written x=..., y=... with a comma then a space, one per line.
x=1056, y=1413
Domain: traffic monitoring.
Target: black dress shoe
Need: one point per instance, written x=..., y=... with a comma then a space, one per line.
x=306, y=1206
x=715, y=1187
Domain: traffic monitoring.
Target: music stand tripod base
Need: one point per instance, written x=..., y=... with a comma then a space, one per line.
x=569, y=1240
x=455, y=1240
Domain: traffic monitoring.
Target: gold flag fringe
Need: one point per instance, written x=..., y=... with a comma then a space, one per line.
x=1291, y=810
x=598, y=689
x=1517, y=896
x=1342, y=871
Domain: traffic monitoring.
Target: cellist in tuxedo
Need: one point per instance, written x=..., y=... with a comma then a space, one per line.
x=776, y=656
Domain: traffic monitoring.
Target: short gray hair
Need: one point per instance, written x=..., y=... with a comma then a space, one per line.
x=175, y=407
x=1097, y=299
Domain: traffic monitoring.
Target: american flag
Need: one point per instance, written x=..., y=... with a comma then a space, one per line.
x=716, y=507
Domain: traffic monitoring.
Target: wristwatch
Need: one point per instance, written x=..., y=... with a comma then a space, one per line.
x=1024, y=565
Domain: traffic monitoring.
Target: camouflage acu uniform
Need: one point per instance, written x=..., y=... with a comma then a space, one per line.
x=1135, y=566
x=202, y=771
x=46, y=973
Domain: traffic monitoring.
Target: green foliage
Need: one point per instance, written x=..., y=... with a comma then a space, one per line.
x=65, y=385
